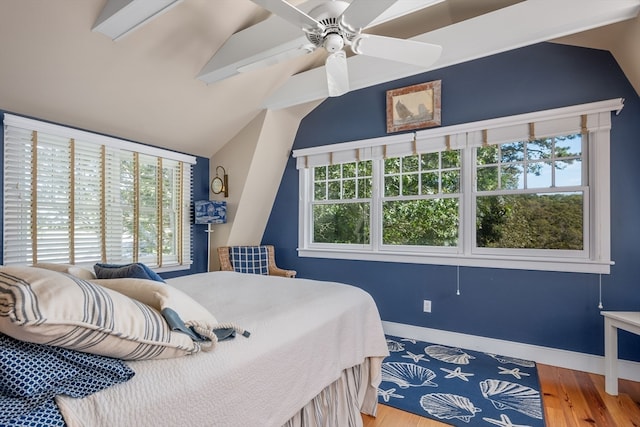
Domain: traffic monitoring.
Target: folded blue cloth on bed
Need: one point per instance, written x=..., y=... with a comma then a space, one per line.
x=31, y=375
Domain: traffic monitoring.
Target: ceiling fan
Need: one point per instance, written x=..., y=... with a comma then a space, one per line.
x=335, y=24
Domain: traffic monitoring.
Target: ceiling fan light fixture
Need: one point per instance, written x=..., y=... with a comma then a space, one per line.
x=333, y=42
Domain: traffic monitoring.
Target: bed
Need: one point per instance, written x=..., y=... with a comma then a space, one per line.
x=313, y=359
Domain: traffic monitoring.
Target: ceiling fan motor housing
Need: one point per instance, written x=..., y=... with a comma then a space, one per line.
x=336, y=34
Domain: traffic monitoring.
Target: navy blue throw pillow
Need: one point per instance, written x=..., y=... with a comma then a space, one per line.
x=119, y=271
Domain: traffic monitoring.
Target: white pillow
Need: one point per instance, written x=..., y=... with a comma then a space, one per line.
x=163, y=297
x=82, y=273
x=49, y=307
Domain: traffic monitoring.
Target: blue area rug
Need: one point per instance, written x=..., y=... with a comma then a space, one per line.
x=460, y=387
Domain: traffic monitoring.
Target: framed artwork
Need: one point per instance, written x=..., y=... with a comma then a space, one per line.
x=414, y=107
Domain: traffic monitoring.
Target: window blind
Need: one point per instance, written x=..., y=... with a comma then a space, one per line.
x=76, y=197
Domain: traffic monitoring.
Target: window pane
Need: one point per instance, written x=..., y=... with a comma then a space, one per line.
x=334, y=190
x=539, y=149
x=487, y=178
x=392, y=165
x=451, y=159
x=320, y=191
x=430, y=183
x=512, y=152
x=432, y=222
x=512, y=177
x=410, y=164
x=430, y=161
x=341, y=223
x=320, y=173
x=148, y=201
x=349, y=189
x=410, y=184
x=450, y=182
x=170, y=210
x=487, y=155
x=364, y=188
x=364, y=168
x=334, y=172
x=539, y=175
x=348, y=170
x=391, y=186
x=568, y=172
x=530, y=221
x=569, y=146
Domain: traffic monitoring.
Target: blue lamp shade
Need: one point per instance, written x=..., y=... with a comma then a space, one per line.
x=210, y=212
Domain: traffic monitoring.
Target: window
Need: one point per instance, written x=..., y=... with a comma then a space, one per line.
x=75, y=197
x=527, y=191
x=341, y=205
x=530, y=195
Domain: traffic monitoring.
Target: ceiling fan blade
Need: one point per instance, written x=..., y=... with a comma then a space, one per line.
x=337, y=73
x=406, y=51
x=361, y=13
x=291, y=14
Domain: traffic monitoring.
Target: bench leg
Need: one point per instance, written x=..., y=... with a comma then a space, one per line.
x=610, y=357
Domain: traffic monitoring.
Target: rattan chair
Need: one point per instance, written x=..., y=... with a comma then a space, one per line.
x=227, y=265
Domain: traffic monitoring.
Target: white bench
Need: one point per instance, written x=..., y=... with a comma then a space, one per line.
x=614, y=320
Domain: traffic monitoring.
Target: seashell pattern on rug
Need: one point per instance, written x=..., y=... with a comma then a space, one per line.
x=393, y=345
x=407, y=375
x=448, y=354
x=446, y=406
x=462, y=388
x=513, y=360
x=508, y=395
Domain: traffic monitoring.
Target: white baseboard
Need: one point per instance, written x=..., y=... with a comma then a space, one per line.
x=546, y=355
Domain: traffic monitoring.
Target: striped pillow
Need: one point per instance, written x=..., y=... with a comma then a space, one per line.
x=49, y=307
x=250, y=259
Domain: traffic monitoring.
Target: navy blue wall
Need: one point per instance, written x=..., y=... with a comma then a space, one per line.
x=200, y=191
x=551, y=309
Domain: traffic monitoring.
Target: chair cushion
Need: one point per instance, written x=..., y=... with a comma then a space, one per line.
x=250, y=259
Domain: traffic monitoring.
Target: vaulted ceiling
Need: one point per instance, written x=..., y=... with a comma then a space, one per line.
x=150, y=86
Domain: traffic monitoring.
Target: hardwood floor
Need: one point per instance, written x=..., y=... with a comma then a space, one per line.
x=570, y=399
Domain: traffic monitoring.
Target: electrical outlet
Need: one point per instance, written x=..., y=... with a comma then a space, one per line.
x=426, y=306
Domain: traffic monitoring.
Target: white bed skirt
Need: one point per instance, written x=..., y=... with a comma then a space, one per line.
x=341, y=403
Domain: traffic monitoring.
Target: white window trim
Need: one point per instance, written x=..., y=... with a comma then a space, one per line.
x=551, y=122
x=108, y=141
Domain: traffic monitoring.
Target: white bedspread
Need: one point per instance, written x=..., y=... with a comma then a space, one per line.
x=303, y=334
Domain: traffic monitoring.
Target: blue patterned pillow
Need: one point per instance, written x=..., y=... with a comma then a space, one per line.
x=31, y=375
x=250, y=259
x=135, y=270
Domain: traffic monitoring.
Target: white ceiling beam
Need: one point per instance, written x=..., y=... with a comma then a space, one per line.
x=119, y=17
x=519, y=25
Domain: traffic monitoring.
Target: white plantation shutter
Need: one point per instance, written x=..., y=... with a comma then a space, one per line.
x=76, y=197
x=87, y=206
x=18, y=158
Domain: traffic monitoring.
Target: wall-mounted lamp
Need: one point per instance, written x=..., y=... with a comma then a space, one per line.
x=220, y=184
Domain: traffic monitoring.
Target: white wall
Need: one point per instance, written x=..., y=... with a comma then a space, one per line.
x=254, y=161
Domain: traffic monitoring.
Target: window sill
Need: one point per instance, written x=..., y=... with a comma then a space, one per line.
x=572, y=265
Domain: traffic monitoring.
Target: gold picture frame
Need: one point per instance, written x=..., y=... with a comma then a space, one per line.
x=414, y=107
